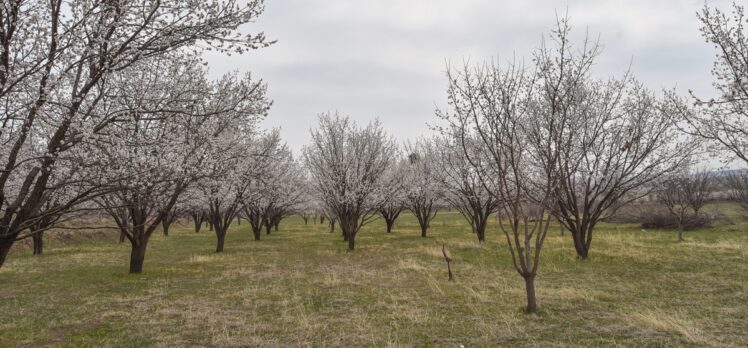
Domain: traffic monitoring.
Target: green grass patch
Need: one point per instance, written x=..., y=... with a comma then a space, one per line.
x=299, y=286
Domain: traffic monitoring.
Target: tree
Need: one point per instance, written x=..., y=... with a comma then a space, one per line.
x=198, y=217
x=560, y=143
x=181, y=129
x=147, y=159
x=55, y=62
x=347, y=164
x=699, y=185
x=260, y=198
x=611, y=138
x=237, y=155
x=736, y=183
x=672, y=192
x=39, y=227
x=306, y=213
x=170, y=216
x=423, y=190
x=723, y=121
x=491, y=118
x=254, y=209
x=394, y=191
x=62, y=187
x=287, y=187
x=461, y=182
x=192, y=205
x=683, y=193
x=332, y=219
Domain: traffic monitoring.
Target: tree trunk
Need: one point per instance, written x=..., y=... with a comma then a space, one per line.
x=580, y=244
x=257, y=231
x=321, y=219
x=5, y=244
x=210, y=225
x=166, y=224
x=198, y=224
x=221, y=238
x=424, y=229
x=351, y=241
x=306, y=220
x=268, y=227
x=582, y=252
x=275, y=226
x=480, y=231
x=680, y=232
x=137, y=256
x=332, y=226
x=532, y=303
x=38, y=238
x=238, y=220
x=390, y=223
x=121, y=236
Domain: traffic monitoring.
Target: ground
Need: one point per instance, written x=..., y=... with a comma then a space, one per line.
x=300, y=287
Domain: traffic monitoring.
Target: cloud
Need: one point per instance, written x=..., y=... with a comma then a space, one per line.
x=386, y=58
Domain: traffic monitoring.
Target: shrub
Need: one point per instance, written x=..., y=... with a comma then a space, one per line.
x=662, y=219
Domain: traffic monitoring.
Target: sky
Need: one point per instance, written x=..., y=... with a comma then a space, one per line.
x=386, y=59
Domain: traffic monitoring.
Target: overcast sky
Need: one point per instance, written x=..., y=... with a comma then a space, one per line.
x=386, y=58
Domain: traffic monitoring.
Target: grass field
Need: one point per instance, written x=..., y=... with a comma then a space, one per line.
x=300, y=287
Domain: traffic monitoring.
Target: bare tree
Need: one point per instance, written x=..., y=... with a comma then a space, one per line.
x=699, y=185
x=492, y=120
x=613, y=136
x=347, y=163
x=672, y=192
x=557, y=143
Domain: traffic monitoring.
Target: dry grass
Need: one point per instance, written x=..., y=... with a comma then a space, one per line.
x=300, y=287
x=670, y=322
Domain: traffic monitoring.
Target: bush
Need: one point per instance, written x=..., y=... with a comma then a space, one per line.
x=632, y=213
x=660, y=219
